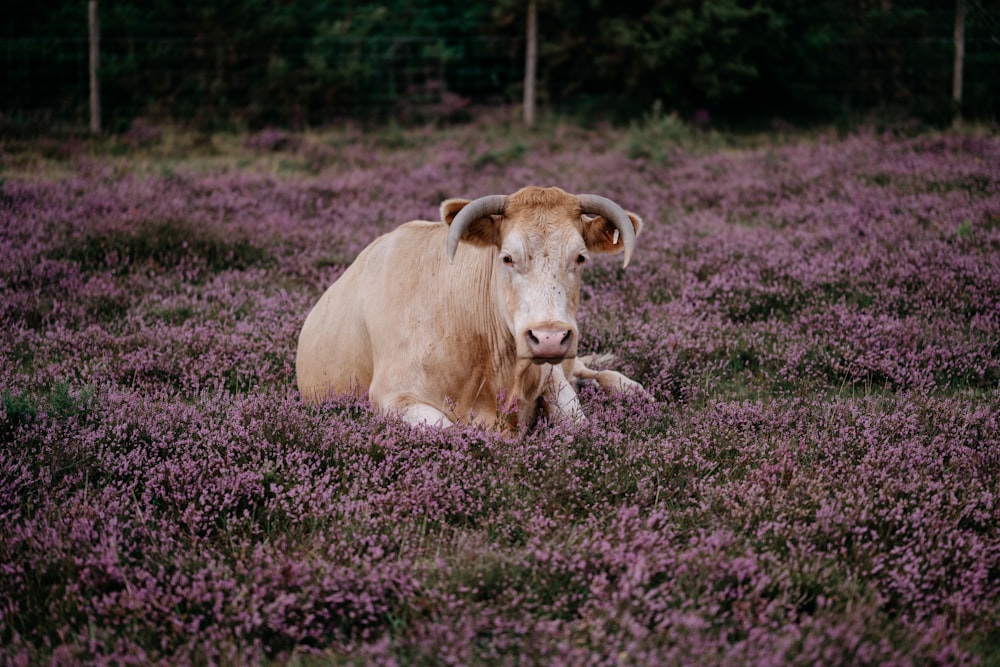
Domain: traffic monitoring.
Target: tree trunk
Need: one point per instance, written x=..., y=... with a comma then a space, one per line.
x=530, y=63
x=95, y=44
x=956, y=81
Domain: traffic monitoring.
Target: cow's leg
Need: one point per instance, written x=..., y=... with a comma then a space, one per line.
x=608, y=380
x=384, y=392
x=421, y=413
x=560, y=396
x=407, y=406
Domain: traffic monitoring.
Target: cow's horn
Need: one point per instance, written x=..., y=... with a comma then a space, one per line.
x=474, y=210
x=596, y=204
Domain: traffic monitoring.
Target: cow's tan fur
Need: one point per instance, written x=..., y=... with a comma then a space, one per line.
x=437, y=341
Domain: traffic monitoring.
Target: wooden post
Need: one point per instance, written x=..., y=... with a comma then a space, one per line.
x=530, y=63
x=956, y=80
x=95, y=51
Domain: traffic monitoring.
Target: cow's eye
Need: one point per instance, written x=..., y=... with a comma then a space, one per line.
x=581, y=259
x=508, y=260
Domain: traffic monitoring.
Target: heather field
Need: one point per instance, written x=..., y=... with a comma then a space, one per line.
x=814, y=482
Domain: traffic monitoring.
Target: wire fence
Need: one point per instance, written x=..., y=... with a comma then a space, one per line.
x=296, y=82
x=319, y=81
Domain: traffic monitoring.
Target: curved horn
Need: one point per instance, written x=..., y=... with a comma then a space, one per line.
x=596, y=204
x=474, y=210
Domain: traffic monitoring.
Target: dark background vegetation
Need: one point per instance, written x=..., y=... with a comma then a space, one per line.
x=220, y=63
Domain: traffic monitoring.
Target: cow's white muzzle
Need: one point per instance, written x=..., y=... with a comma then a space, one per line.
x=551, y=341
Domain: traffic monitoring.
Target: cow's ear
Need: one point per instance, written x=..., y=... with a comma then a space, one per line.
x=600, y=235
x=484, y=231
x=451, y=207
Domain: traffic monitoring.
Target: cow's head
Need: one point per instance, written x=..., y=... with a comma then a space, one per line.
x=543, y=239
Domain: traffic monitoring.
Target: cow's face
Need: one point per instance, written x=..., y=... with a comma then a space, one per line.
x=543, y=239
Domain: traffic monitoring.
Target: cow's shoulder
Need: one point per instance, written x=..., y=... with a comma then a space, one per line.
x=422, y=227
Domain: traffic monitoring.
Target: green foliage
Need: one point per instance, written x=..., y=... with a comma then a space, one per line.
x=503, y=155
x=964, y=230
x=162, y=244
x=63, y=404
x=602, y=59
x=227, y=65
x=19, y=408
x=60, y=401
x=657, y=136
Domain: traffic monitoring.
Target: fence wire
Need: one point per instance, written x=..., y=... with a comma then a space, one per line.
x=323, y=80
x=300, y=82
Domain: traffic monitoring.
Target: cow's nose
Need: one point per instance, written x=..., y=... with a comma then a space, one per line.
x=549, y=343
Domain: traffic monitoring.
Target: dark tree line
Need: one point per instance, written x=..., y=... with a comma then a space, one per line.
x=270, y=62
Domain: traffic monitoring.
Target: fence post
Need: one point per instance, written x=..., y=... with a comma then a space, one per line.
x=530, y=63
x=95, y=44
x=956, y=80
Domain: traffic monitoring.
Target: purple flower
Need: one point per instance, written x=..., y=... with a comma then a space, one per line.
x=815, y=480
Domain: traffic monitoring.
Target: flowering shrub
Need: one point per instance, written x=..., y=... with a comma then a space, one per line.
x=816, y=481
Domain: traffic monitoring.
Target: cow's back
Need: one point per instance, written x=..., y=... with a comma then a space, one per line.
x=390, y=317
x=334, y=352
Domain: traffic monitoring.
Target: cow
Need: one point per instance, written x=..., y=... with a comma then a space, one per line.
x=471, y=318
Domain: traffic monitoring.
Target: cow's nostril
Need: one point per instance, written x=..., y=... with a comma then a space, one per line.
x=549, y=343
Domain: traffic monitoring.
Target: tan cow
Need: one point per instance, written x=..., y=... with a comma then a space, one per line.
x=469, y=319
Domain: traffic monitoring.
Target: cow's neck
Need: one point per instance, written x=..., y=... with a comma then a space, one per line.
x=519, y=380
x=509, y=385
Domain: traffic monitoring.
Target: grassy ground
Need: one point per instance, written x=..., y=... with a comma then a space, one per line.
x=817, y=317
